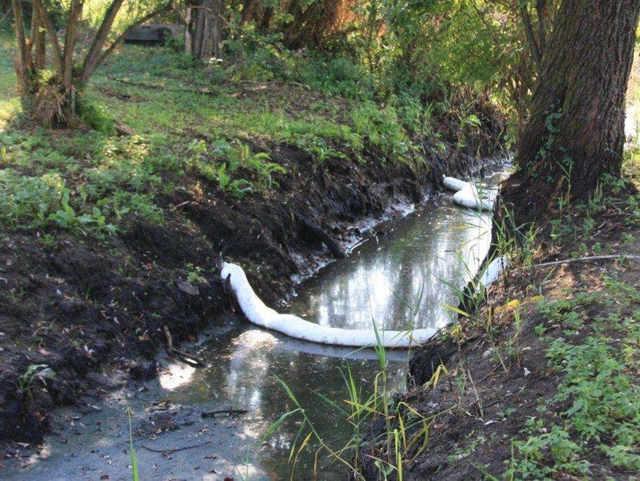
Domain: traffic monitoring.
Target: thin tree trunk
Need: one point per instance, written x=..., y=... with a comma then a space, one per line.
x=575, y=132
x=246, y=11
x=206, y=48
x=531, y=38
x=51, y=100
x=207, y=40
x=541, y=9
x=53, y=36
x=38, y=41
x=188, y=39
x=266, y=18
x=91, y=61
x=22, y=53
x=200, y=33
x=70, y=42
x=217, y=10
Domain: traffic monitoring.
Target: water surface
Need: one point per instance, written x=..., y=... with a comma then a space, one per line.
x=399, y=277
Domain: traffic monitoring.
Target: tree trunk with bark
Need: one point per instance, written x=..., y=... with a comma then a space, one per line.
x=313, y=23
x=205, y=30
x=575, y=132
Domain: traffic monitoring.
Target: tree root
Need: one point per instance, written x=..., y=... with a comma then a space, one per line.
x=587, y=259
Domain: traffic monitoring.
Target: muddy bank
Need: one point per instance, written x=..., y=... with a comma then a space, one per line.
x=92, y=311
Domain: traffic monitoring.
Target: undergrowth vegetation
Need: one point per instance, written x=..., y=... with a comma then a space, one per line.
x=587, y=425
x=215, y=123
x=589, y=428
x=402, y=431
x=559, y=348
x=597, y=405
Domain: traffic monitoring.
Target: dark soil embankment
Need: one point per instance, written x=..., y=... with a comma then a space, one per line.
x=93, y=310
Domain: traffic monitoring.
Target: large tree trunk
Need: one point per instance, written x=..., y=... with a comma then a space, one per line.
x=575, y=132
x=205, y=30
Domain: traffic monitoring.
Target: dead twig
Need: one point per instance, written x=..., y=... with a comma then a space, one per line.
x=269, y=82
x=185, y=356
x=489, y=374
x=228, y=412
x=475, y=391
x=585, y=259
x=181, y=204
x=174, y=450
x=148, y=85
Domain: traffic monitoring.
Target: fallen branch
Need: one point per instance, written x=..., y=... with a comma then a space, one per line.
x=229, y=412
x=489, y=374
x=182, y=354
x=174, y=450
x=475, y=391
x=162, y=87
x=585, y=259
x=265, y=84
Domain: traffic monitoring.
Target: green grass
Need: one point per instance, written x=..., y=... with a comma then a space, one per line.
x=9, y=103
x=401, y=440
x=193, y=123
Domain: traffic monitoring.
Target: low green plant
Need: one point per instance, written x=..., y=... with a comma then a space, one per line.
x=67, y=218
x=34, y=372
x=230, y=165
x=195, y=274
x=517, y=242
x=28, y=201
x=318, y=149
x=383, y=130
x=511, y=347
x=96, y=116
x=598, y=398
x=135, y=475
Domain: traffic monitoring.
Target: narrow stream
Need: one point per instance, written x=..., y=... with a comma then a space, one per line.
x=396, y=279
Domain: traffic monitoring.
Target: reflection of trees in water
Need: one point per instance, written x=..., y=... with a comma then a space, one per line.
x=383, y=281
x=242, y=375
x=247, y=377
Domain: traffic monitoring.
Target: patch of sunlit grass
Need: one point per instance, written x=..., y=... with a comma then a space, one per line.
x=9, y=109
x=631, y=165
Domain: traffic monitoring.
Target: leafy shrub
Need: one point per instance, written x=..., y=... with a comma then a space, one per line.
x=597, y=401
x=382, y=129
x=37, y=202
x=28, y=201
x=230, y=165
